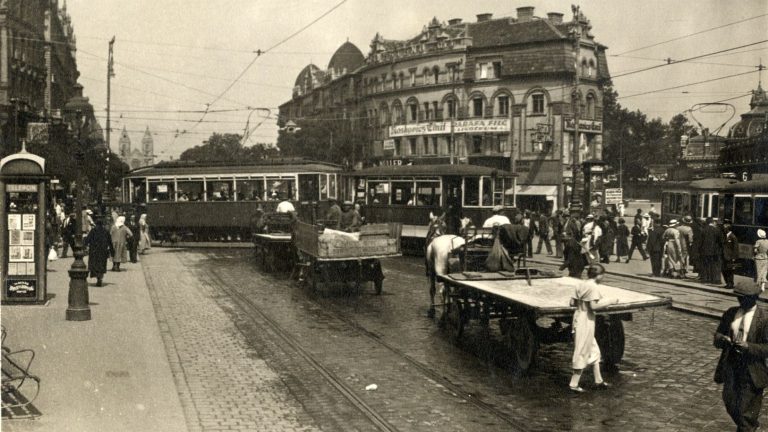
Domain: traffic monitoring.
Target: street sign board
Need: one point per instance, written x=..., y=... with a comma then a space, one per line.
x=614, y=196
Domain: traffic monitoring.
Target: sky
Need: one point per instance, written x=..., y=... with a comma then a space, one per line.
x=176, y=56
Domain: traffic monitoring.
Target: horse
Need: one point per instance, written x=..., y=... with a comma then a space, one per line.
x=438, y=249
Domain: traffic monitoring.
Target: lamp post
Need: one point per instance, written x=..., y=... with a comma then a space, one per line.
x=453, y=115
x=77, y=112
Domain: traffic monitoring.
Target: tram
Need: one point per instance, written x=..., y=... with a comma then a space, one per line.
x=409, y=193
x=746, y=205
x=215, y=202
x=697, y=198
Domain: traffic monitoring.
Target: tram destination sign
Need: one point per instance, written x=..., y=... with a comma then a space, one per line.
x=444, y=128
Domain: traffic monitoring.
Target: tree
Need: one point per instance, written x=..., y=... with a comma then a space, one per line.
x=334, y=140
x=228, y=148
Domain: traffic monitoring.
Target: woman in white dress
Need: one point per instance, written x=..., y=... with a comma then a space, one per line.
x=587, y=299
x=144, y=242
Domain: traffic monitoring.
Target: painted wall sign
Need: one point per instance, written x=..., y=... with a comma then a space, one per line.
x=584, y=125
x=459, y=127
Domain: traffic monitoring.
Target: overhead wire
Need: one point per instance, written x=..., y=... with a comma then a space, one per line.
x=686, y=85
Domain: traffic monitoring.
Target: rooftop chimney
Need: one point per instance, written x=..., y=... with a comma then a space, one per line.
x=525, y=13
x=454, y=21
x=555, y=17
x=484, y=17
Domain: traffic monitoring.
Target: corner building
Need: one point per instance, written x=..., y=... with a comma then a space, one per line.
x=502, y=93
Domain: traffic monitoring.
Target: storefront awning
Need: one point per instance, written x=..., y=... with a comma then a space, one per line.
x=547, y=190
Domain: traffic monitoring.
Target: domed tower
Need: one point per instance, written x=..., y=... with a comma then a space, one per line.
x=309, y=78
x=148, y=146
x=125, y=145
x=345, y=60
x=754, y=121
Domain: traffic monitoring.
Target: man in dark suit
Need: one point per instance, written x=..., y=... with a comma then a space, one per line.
x=514, y=236
x=573, y=257
x=710, y=253
x=742, y=335
x=730, y=253
x=655, y=246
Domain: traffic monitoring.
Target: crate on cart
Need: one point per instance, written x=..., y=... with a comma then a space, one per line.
x=379, y=240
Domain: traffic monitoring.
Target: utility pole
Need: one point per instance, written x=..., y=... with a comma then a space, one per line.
x=110, y=74
x=452, y=118
x=576, y=34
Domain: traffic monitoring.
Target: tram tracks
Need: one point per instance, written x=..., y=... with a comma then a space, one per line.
x=330, y=310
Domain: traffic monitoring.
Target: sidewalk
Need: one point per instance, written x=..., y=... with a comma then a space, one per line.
x=107, y=374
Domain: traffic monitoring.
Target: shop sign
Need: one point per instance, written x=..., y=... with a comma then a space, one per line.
x=459, y=127
x=20, y=288
x=614, y=196
x=389, y=144
x=20, y=188
x=392, y=162
x=584, y=125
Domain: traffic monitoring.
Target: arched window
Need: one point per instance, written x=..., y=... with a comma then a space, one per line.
x=450, y=107
x=413, y=110
x=425, y=76
x=537, y=103
x=397, y=113
x=435, y=75
x=592, y=69
x=394, y=81
x=383, y=115
x=590, y=106
x=401, y=78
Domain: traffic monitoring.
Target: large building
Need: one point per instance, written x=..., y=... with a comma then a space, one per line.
x=38, y=70
x=500, y=92
x=746, y=149
x=137, y=157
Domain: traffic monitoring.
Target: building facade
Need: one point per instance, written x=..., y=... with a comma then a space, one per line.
x=137, y=157
x=38, y=70
x=745, y=153
x=503, y=93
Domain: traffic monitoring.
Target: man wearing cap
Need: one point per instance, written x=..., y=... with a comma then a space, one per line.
x=350, y=218
x=333, y=215
x=742, y=335
x=686, y=242
x=497, y=218
x=590, y=238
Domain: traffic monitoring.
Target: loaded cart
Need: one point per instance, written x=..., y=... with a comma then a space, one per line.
x=329, y=256
x=519, y=299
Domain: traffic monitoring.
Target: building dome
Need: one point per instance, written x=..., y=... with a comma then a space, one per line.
x=346, y=59
x=753, y=123
x=309, y=78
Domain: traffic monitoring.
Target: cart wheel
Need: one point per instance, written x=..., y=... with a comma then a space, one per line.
x=379, y=285
x=609, y=333
x=522, y=343
x=455, y=319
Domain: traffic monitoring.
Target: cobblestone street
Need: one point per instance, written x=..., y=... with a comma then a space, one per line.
x=250, y=350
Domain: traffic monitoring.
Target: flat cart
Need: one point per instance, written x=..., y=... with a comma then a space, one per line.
x=328, y=257
x=274, y=251
x=518, y=299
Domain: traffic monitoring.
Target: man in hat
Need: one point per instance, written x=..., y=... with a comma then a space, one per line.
x=285, y=206
x=742, y=335
x=545, y=232
x=672, y=265
x=333, y=215
x=100, y=248
x=590, y=238
x=350, y=218
x=686, y=242
x=573, y=259
x=710, y=252
x=730, y=253
x=497, y=218
x=655, y=247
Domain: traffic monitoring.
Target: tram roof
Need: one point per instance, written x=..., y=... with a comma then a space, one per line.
x=432, y=170
x=270, y=166
x=758, y=186
x=715, y=183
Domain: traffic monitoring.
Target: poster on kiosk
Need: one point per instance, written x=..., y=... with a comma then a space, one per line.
x=23, y=255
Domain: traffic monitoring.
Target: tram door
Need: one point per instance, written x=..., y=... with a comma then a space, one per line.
x=452, y=207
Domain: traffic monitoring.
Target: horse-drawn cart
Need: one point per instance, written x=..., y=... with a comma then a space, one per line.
x=328, y=256
x=518, y=299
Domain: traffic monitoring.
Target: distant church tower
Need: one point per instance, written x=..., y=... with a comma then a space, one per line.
x=125, y=145
x=148, y=147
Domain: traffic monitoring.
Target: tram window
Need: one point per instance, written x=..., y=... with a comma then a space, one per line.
x=190, y=190
x=139, y=192
x=471, y=191
x=332, y=190
x=715, y=209
x=309, y=187
x=685, y=203
x=323, y=186
x=250, y=190
x=219, y=190
x=727, y=207
x=281, y=188
x=743, y=211
x=161, y=191
x=402, y=193
x=378, y=192
x=761, y=211
x=487, y=191
x=509, y=193
x=428, y=193
x=498, y=191
x=705, y=209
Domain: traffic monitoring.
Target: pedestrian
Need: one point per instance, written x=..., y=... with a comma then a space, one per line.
x=545, y=233
x=285, y=206
x=528, y=223
x=558, y=222
x=711, y=252
x=694, y=253
x=639, y=216
x=607, y=240
x=686, y=242
x=145, y=242
x=87, y=222
x=730, y=254
x=120, y=235
x=333, y=215
x=761, y=259
x=742, y=335
x=133, y=242
x=672, y=265
x=587, y=300
x=99, y=244
x=590, y=239
x=350, y=219
x=68, y=234
x=656, y=248
x=637, y=240
x=622, y=240
x=573, y=258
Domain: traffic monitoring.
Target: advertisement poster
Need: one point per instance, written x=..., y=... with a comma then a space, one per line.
x=14, y=237
x=28, y=237
x=30, y=268
x=27, y=253
x=15, y=253
x=13, y=269
x=20, y=288
x=28, y=221
x=14, y=221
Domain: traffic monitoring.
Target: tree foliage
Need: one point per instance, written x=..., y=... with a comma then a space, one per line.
x=228, y=148
x=336, y=141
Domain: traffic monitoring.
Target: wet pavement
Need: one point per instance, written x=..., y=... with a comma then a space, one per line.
x=252, y=349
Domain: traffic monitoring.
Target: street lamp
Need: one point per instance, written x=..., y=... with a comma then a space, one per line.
x=77, y=113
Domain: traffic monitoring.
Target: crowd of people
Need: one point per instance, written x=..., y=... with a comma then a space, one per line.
x=104, y=238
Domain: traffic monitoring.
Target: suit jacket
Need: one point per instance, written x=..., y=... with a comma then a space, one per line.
x=756, y=353
x=731, y=247
x=655, y=240
x=513, y=237
x=711, y=241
